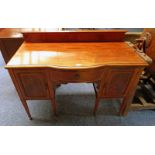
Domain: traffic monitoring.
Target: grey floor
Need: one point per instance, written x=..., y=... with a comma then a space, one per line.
x=75, y=104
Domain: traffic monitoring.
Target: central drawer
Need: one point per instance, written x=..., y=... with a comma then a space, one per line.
x=76, y=76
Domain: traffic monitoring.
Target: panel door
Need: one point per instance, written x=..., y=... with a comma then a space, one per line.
x=33, y=84
x=117, y=81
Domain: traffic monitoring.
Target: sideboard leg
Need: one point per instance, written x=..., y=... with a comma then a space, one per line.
x=128, y=98
x=125, y=106
x=26, y=108
x=54, y=106
x=96, y=105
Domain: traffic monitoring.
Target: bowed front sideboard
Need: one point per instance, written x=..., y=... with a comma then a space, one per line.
x=45, y=60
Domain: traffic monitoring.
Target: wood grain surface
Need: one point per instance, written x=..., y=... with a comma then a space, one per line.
x=75, y=55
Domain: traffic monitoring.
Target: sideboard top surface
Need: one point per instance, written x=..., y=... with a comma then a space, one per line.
x=75, y=55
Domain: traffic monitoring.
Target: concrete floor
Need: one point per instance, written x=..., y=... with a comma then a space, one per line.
x=75, y=104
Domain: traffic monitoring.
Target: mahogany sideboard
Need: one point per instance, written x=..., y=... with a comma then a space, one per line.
x=47, y=59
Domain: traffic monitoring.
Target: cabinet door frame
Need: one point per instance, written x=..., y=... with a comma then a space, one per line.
x=108, y=80
x=41, y=72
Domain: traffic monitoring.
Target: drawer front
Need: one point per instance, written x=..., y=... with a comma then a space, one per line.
x=76, y=76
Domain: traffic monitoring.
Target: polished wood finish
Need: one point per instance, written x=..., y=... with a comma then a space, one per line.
x=12, y=38
x=117, y=82
x=77, y=36
x=9, y=46
x=114, y=66
x=130, y=91
x=17, y=32
x=75, y=55
x=23, y=100
x=10, y=41
x=76, y=76
x=33, y=83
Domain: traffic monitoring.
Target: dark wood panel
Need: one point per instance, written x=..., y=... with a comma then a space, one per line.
x=94, y=36
x=34, y=84
x=117, y=82
x=9, y=47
